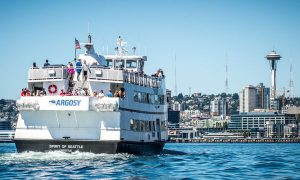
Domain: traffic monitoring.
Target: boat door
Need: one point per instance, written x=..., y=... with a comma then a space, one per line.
x=158, y=129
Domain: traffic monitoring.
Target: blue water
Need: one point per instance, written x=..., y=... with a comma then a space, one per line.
x=201, y=161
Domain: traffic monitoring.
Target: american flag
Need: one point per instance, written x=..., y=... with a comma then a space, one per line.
x=77, y=45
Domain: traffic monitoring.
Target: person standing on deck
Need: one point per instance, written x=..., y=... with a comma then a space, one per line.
x=78, y=68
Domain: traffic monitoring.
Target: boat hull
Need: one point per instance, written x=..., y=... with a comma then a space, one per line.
x=109, y=147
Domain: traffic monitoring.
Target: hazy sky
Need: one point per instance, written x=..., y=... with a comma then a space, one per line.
x=202, y=34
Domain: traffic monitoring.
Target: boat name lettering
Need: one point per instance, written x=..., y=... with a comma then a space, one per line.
x=66, y=102
x=65, y=146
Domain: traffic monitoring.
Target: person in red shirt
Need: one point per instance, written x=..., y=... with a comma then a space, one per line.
x=23, y=92
x=62, y=93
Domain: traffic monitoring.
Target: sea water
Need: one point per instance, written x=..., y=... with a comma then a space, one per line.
x=178, y=161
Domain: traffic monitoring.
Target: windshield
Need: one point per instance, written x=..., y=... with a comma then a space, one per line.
x=119, y=64
x=109, y=63
x=131, y=63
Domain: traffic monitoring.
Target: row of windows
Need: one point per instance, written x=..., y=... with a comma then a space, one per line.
x=120, y=63
x=147, y=98
x=147, y=126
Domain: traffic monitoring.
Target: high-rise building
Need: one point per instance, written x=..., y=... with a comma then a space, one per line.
x=177, y=106
x=248, y=99
x=219, y=107
x=262, y=97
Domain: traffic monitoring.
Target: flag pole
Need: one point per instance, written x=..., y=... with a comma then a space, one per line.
x=75, y=51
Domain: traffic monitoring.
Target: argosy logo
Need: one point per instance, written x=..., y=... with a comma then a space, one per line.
x=65, y=102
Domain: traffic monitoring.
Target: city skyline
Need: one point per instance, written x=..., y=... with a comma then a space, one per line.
x=205, y=36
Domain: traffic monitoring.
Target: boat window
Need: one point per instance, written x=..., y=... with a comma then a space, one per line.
x=135, y=97
x=156, y=99
x=119, y=63
x=139, y=97
x=131, y=64
x=138, y=125
x=142, y=125
x=147, y=127
x=161, y=99
x=153, y=125
x=109, y=63
x=132, y=124
x=151, y=99
x=144, y=97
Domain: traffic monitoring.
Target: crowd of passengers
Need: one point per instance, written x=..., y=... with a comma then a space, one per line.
x=83, y=92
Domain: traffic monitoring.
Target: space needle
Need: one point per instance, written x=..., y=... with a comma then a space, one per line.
x=273, y=57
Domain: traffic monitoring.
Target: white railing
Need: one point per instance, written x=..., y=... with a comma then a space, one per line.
x=47, y=73
x=96, y=73
x=142, y=79
x=99, y=73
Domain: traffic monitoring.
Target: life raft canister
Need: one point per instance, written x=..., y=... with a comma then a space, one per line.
x=52, y=89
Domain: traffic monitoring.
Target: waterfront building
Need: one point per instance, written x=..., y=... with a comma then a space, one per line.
x=248, y=99
x=273, y=130
x=253, y=120
x=183, y=133
x=290, y=130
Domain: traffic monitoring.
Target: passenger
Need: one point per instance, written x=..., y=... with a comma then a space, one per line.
x=71, y=70
x=34, y=65
x=32, y=93
x=85, y=92
x=85, y=69
x=23, y=92
x=78, y=68
x=109, y=93
x=101, y=94
x=122, y=93
x=62, y=93
x=43, y=92
x=28, y=93
x=116, y=94
x=76, y=92
x=68, y=93
x=95, y=94
x=46, y=63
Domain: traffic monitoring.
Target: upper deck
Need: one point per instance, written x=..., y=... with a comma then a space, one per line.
x=96, y=73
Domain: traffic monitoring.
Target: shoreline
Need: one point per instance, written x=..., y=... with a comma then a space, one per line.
x=245, y=140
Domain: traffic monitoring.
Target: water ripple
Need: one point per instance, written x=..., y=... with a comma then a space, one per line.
x=178, y=161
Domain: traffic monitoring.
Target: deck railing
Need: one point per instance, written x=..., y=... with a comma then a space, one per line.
x=96, y=73
x=51, y=72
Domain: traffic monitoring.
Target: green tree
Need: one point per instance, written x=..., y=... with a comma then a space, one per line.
x=2, y=101
x=235, y=96
x=180, y=96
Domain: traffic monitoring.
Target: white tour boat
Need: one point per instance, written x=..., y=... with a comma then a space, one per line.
x=133, y=120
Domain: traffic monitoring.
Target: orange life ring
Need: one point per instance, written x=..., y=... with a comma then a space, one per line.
x=52, y=89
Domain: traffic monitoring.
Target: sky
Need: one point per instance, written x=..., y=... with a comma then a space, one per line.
x=202, y=35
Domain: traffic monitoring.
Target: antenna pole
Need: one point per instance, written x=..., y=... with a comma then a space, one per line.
x=175, y=89
x=226, y=80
